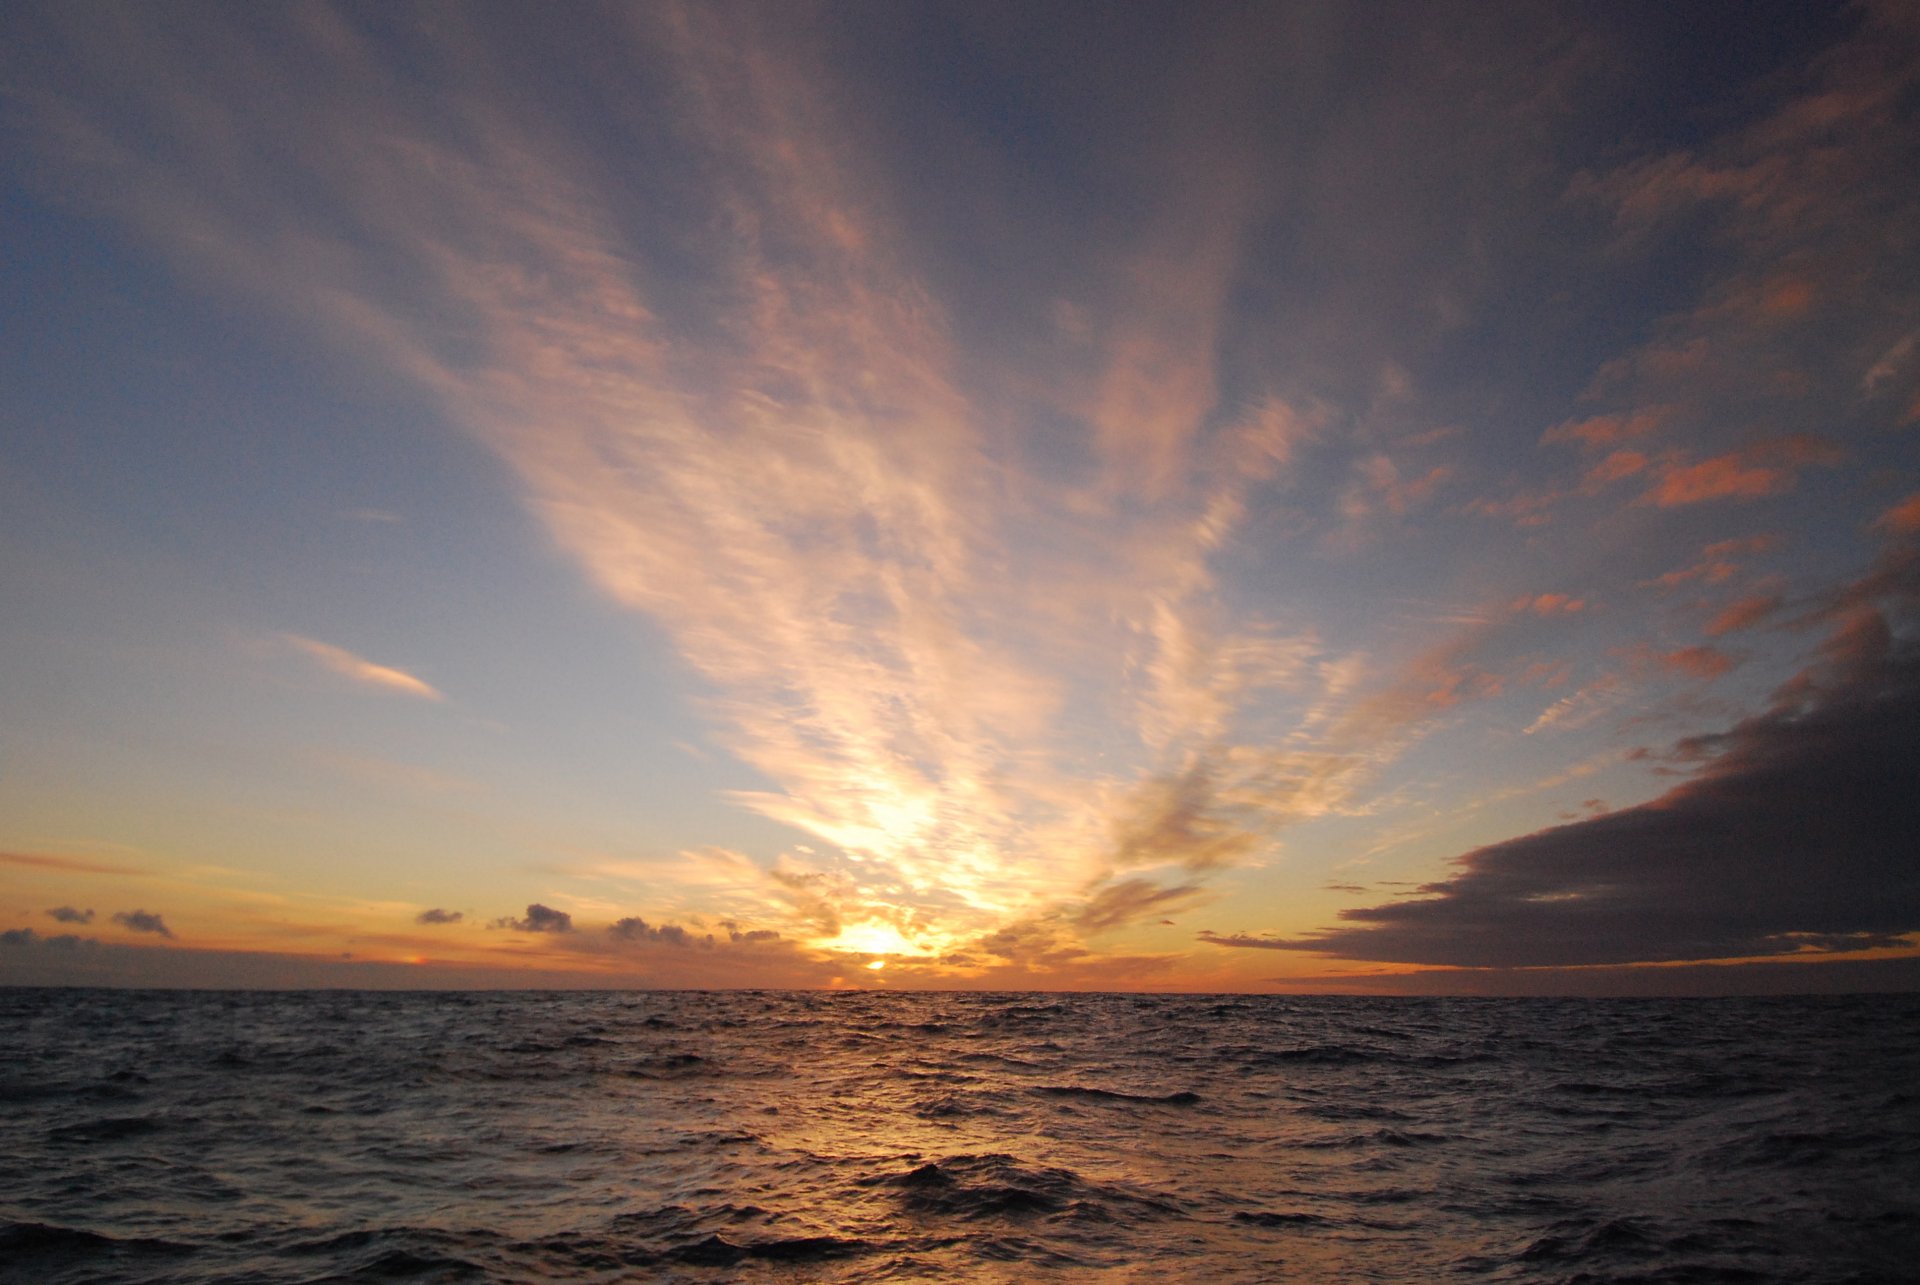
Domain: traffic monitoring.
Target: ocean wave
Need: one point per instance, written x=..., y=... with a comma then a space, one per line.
x=868, y=1138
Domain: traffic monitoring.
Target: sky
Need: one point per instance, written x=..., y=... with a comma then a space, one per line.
x=1404, y=498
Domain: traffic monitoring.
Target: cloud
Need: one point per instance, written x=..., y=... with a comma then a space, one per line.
x=1795, y=837
x=1377, y=488
x=1717, y=563
x=1132, y=900
x=1181, y=819
x=75, y=865
x=1770, y=468
x=1549, y=604
x=1890, y=363
x=638, y=930
x=1033, y=943
x=69, y=915
x=1581, y=707
x=1531, y=508
x=27, y=937
x=439, y=916
x=539, y=919
x=1696, y=662
x=909, y=587
x=1902, y=519
x=1609, y=430
x=140, y=921
x=1615, y=467
x=347, y=665
x=1744, y=614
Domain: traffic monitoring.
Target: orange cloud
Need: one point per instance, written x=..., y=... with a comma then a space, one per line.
x=1550, y=604
x=1697, y=662
x=1788, y=297
x=1744, y=614
x=1608, y=430
x=1903, y=518
x=1717, y=565
x=1620, y=464
x=360, y=670
x=1720, y=478
x=1767, y=468
x=1379, y=486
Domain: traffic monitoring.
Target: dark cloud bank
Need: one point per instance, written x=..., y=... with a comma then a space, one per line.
x=1801, y=833
x=636, y=930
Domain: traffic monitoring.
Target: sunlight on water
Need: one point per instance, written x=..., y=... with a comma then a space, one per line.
x=875, y=1136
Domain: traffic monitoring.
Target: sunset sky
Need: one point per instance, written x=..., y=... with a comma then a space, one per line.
x=1161, y=496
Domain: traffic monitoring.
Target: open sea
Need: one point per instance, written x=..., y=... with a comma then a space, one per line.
x=873, y=1136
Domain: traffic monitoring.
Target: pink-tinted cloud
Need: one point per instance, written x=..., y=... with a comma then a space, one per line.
x=1549, y=604
x=1610, y=430
x=1744, y=614
x=1378, y=489
x=1705, y=663
x=1615, y=467
x=343, y=662
x=1767, y=468
x=1718, y=561
x=1720, y=478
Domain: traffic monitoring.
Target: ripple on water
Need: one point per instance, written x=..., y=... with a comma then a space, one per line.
x=161, y=1137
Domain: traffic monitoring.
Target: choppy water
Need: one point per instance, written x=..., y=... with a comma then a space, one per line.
x=154, y=1136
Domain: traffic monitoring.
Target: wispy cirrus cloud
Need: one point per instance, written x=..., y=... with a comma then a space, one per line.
x=785, y=466
x=340, y=661
x=74, y=865
x=984, y=632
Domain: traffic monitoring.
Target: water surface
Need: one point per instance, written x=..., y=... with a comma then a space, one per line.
x=269, y=1137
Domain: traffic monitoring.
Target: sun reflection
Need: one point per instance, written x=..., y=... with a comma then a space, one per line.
x=877, y=964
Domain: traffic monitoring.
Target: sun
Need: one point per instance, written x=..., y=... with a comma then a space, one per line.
x=872, y=938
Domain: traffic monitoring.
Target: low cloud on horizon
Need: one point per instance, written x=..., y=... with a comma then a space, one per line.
x=1794, y=837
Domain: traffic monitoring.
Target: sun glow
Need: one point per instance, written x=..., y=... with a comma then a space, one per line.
x=873, y=939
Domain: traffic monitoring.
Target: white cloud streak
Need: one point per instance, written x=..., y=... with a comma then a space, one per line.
x=363, y=671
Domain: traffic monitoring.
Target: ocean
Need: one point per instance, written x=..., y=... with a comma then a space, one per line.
x=160, y=1136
